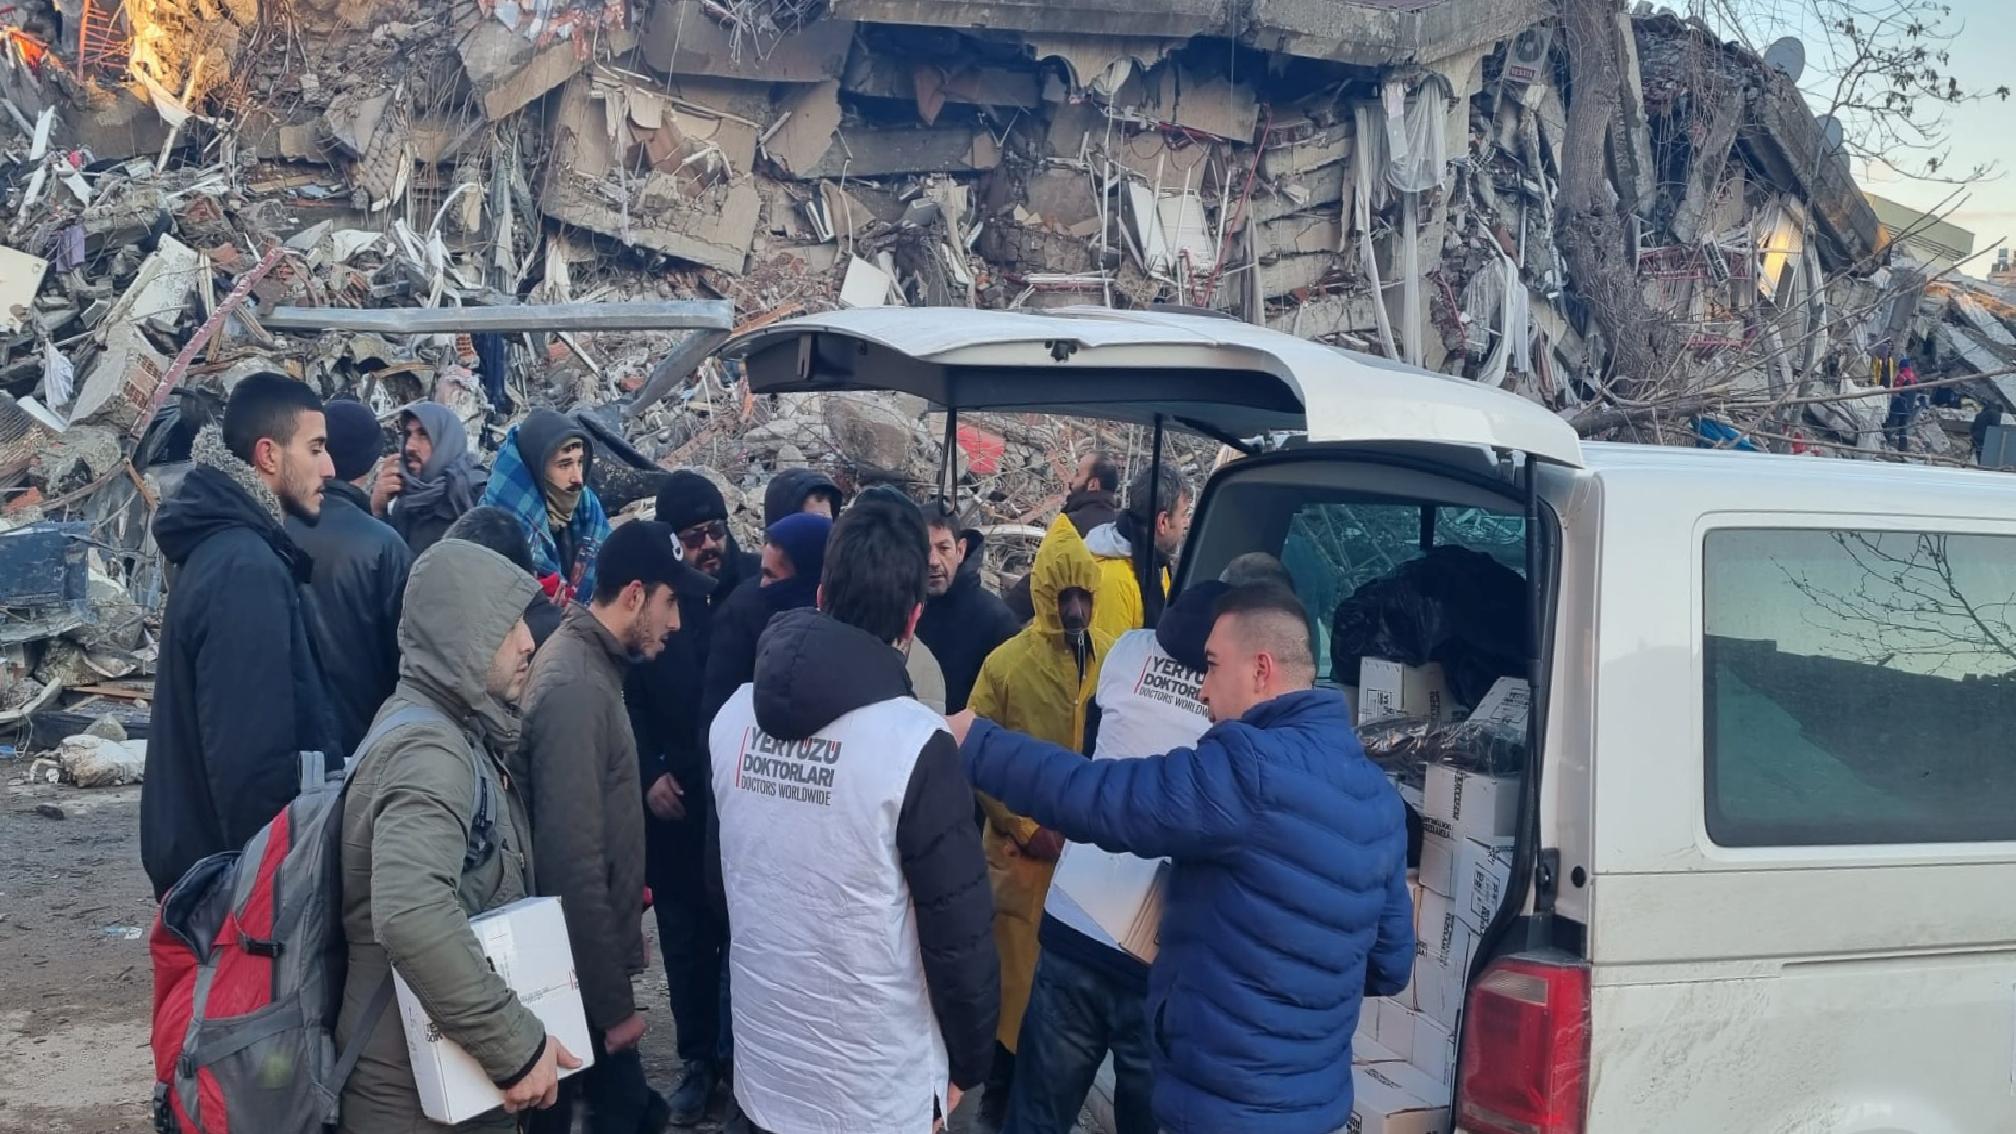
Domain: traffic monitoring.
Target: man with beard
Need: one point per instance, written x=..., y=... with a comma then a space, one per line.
x=541, y=476
x=1094, y=497
x=664, y=700
x=360, y=575
x=241, y=711
x=1134, y=551
x=435, y=480
x=1041, y=679
x=587, y=824
x=963, y=621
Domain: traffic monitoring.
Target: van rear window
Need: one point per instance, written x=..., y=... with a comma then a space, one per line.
x=1859, y=687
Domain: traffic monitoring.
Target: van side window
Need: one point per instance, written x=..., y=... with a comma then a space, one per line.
x=1859, y=687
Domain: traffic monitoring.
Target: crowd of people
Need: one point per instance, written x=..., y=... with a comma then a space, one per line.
x=837, y=770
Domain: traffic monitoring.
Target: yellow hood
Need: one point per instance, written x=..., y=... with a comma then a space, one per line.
x=1062, y=562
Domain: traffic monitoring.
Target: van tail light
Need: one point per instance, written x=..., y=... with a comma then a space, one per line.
x=1525, y=1066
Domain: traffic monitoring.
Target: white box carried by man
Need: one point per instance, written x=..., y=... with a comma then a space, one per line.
x=1122, y=893
x=526, y=944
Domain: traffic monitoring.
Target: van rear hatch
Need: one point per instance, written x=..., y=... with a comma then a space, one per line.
x=1226, y=380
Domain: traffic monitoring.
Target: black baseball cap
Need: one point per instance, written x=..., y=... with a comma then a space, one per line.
x=648, y=552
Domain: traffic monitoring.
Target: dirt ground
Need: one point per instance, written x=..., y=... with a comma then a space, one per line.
x=75, y=985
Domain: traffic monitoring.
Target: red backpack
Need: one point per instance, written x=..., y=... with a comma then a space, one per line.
x=249, y=962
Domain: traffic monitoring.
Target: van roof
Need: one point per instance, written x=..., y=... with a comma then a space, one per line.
x=1217, y=376
x=1694, y=481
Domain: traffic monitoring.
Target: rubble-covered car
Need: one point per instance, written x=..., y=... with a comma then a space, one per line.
x=1740, y=888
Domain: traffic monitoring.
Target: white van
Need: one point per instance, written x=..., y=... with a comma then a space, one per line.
x=1764, y=874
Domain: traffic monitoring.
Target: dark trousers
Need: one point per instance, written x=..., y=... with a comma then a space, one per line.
x=1076, y=1015
x=692, y=940
x=614, y=1092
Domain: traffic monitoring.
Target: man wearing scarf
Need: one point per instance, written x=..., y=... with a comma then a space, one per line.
x=435, y=480
x=541, y=476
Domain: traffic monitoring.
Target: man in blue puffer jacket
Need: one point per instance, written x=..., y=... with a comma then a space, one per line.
x=1287, y=901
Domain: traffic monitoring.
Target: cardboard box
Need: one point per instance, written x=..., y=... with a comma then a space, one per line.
x=1434, y=1054
x=1389, y=689
x=1121, y=892
x=1442, y=962
x=1438, y=860
x=1382, y=1104
x=1486, y=807
x=1508, y=703
x=526, y=944
x=1394, y=1029
x=1482, y=867
x=1369, y=1051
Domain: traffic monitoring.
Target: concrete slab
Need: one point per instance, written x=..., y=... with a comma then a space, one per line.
x=1377, y=33
x=1180, y=19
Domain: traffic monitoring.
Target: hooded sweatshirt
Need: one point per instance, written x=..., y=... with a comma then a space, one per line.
x=240, y=692
x=789, y=488
x=1037, y=683
x=862, y=967
x=563, y=552
x=448, y=485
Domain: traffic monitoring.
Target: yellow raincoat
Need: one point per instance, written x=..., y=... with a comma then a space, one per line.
x=1031, y=684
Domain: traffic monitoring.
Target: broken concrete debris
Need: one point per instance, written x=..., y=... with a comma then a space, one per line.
x=1378, y=176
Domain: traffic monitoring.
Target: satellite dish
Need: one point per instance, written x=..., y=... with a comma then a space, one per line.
x=1787, y=55
x=1830, y=129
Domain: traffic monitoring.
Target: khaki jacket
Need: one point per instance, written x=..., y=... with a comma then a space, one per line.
x=407, y=899
x=588, y=808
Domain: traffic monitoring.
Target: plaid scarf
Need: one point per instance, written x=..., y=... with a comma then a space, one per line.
x=515, y=488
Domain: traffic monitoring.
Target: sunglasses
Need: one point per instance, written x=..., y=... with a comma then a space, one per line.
x=699, y=534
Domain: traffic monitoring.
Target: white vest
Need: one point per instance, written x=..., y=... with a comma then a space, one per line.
x=1148, y=704
x=833, y=1025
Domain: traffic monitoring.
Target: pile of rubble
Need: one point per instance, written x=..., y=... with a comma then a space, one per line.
x=1377, y=174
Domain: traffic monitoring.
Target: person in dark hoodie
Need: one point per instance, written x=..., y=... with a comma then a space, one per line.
x=435, y=480
x=963, y=621
x=241, y=715
x=865, y=985
x=801, y=490
x=1094, y=499
x=794, y=552
x=541, y=476
x=663, y=696
x=1089, y=996
x=360, y=575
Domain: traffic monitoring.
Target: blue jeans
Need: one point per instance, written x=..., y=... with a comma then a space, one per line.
x=1076, y=1015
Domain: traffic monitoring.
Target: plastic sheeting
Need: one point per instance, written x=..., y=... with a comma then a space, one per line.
x=1456, y=607
x=1417, y=137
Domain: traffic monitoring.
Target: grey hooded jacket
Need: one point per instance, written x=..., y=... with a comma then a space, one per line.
x=407, y=897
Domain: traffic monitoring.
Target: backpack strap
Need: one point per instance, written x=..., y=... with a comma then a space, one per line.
x=480, y=847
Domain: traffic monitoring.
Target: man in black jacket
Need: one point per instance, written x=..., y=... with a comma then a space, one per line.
x=664, y=698
x=435, y=480
x=866, y=986
x=240, y=711
x=963, y=620
x=360, y=576
x=1094, y=493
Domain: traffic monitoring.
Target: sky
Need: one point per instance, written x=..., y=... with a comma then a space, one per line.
x=1982, y=53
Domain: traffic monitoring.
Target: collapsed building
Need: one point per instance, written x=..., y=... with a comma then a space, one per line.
x=1382, y=175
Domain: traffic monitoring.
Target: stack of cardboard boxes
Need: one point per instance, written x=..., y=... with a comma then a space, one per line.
x=1405, y=1049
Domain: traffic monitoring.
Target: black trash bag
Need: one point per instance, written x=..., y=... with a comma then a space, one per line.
x=1454, y=606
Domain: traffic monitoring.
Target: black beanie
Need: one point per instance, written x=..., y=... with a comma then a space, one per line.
x=1186, y=623
x=356, y=440
x=689, y=498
